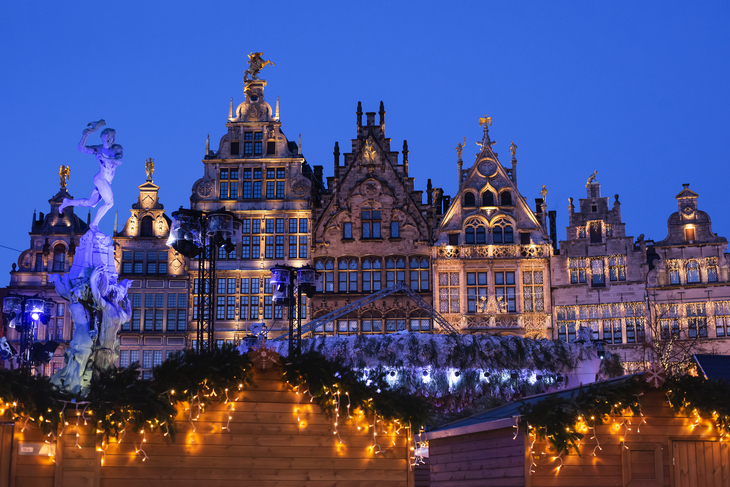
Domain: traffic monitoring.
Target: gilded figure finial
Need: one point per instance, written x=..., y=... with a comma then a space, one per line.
x=513, y=150
x=460, y=148
x=543, y=193
x=65, y=174
x=149, y=167
x=255, y=64
x=592, y=178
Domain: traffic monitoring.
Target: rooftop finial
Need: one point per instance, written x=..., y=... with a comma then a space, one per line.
x=65, y=174
x=513, y=150
x=592, y=178
x=299, y=149
x=230, y=110
x=460, y=149
x=149, y=167
x=486, y=141
x=207, y=146
x=255, y=64
x=276, y=116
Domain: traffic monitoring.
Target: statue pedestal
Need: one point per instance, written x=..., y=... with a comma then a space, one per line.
x=94, y=250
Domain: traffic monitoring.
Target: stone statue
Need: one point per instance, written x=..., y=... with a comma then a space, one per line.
x=75, y=376
x=65, y=174
x=109, y=156
x=460, y=148
x=543, y=193
x=592, y=178
x=116, y=309
x=255, y=64
x=149, y=168
x=513, y=150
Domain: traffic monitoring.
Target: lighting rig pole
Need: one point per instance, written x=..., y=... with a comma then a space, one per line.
x=199, y=234
x=283, y=279
x=24, y=313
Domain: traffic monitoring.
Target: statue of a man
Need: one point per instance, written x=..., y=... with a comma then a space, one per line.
x=65, y=174
x=109, y=156
x=460, y=148
x=255, y=64
x=513, y=149
x=149, y=167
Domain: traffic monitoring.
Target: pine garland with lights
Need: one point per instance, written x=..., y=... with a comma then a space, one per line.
x=696, y=397
x=118, y=398
x=323, y=379
x=559, y=419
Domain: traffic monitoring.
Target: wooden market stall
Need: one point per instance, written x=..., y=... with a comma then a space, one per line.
x=666, y=450
x=270, y=443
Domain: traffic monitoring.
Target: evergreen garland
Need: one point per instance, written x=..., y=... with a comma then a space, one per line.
x=118, y=398
x=696, y=397
x=323, y=378
x=554, y=418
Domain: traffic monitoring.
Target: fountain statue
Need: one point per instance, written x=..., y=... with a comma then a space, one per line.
x=98, y=303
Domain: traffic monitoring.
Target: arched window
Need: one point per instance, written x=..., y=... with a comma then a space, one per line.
x=372, y=322
x=146, y=227
x=326, y=269
x=419, y=321
x=475, y=232
x=693, y=272
x=59, y=258
x=469, y=200
x=347, y=275
x=488, y=198
x=502, y=232
x=506, y=198
x=419, y=273
x=395, y=271
x=371, y=275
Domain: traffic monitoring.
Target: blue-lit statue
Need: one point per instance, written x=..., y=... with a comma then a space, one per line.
x=109, y=156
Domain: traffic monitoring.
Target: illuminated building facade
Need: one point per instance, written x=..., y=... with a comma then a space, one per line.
x=53, y=241
x=372, y=230
x=262, y=177
x=598, y=277
x=160, y=287
x=688, y=290
x=491, y=254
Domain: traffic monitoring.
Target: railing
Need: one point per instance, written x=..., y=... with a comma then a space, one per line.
x=491, y=251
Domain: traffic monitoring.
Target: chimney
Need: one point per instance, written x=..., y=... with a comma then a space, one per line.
x=382, y=119
x=337, y=160
x=405, y=157
x=554, y=231
x=359, y=117
x=429, y=193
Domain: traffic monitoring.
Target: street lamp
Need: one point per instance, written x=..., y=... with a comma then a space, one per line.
x=282, y=280
x=24, y=313
x=199, y=234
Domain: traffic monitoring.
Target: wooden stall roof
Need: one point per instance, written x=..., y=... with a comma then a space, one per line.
x=713, y=366
x=502, y=416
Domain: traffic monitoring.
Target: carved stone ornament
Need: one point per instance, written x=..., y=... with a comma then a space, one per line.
x=205, y=189
x=487, y=168
x=253, y=113
x=688, y=211
x=372, y=188
x=299, y=189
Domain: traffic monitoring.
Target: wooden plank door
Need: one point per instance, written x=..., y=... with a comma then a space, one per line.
x=701, y=464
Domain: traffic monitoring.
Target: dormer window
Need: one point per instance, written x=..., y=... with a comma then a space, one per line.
x=252, y=143
x=235, y=148
x=689, y=234
x=505, y=198
x=469, y=200
x=488, y=198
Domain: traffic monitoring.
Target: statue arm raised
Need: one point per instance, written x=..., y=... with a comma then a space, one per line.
x=92, y=127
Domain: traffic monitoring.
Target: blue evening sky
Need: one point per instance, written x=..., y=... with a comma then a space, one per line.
x=635, y=90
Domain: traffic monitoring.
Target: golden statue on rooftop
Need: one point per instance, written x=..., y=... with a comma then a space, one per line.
x=460, y=148
x=149, y=167
x=485, y=120
x=255, y=64
x=65, y=174
x=513, y=150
